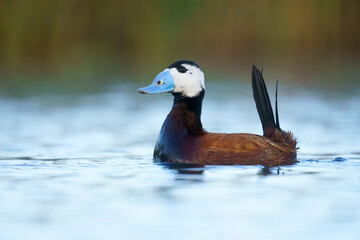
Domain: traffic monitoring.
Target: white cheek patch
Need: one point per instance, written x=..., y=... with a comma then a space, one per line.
x=190, y=83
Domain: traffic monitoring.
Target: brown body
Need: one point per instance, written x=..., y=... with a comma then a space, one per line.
x=183, y=140
x=242, y=148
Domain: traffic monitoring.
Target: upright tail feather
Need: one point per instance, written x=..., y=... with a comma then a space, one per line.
x=263, y=104
x=276, y=106
x=270, y=127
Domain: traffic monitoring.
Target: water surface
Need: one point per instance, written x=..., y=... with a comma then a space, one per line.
x=80, y=167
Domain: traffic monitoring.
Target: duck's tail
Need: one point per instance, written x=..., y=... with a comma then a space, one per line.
x=270, y=127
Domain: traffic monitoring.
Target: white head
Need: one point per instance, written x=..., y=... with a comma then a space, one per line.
x=188, y=78
x=183, y=77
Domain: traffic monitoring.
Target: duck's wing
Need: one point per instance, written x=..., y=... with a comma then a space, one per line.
x=244, y=149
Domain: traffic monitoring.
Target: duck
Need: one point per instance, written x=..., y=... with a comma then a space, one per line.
x=183, y=140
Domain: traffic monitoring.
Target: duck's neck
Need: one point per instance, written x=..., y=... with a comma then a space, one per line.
x=182, y=123
x=188, y=111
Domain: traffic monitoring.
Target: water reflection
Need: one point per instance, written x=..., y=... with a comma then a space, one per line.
x=184, y=168
x=265, y=171
x=196, y=169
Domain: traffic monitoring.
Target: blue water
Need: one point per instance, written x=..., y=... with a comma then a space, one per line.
x=80, y=167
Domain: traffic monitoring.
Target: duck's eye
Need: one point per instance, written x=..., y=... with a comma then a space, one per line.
x=159, y=82
x=181, y=69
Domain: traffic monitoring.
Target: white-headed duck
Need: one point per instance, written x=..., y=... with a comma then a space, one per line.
x=182, y=138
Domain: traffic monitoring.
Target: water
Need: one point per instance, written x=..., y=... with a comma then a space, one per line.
x=80, y=167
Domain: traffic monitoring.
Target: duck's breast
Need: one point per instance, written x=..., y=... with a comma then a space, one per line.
x=170, y=143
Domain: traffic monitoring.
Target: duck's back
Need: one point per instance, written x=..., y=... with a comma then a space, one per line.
x=238, y=148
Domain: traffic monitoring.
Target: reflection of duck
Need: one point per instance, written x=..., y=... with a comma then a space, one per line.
x=183, y=140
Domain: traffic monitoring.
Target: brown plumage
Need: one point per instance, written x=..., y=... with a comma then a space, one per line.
x=189, y=145
x=183, y=140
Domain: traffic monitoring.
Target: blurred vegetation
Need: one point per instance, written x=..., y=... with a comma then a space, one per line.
x=83, y=43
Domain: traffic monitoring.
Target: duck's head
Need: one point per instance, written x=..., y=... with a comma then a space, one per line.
x=181, y=77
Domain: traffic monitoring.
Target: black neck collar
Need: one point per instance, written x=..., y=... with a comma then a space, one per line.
x=193, y=107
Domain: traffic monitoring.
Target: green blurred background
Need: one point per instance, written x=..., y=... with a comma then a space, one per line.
x=84, y=45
